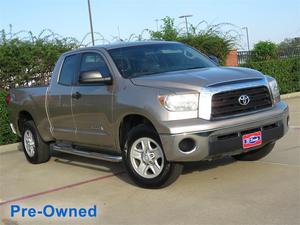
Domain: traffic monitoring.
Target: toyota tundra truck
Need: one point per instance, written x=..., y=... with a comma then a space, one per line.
x=152, y=105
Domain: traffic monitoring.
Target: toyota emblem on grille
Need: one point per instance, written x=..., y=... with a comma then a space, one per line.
x=244, y=100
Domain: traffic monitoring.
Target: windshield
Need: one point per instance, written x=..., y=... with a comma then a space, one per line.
x=150, y=59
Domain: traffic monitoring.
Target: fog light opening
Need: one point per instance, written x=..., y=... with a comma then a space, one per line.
x=187, y=145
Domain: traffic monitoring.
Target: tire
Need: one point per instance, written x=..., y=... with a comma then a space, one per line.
x=148, y=166
x=36, y=150
x=255, y=154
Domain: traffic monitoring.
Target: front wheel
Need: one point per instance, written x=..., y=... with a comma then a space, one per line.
x=145, y=160
x=255, y=154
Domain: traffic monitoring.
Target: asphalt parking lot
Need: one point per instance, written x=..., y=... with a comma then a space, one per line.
x=220, y=192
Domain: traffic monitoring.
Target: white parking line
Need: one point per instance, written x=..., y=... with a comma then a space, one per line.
x=291, y=126
x=280, y=164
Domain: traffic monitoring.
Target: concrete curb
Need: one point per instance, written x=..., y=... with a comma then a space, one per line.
x=290, y=95
x=10, y=147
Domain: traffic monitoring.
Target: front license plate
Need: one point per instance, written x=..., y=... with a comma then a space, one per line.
x=252, y=140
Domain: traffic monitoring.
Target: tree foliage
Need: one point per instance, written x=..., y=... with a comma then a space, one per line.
x=289, y=43
x=264, y=50
x=29, y=62
x=168, y=31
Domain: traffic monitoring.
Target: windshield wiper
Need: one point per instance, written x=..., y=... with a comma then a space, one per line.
x=145, y=74
x=196, y=67
x=166, y=71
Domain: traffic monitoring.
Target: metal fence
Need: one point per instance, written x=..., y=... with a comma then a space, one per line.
x=243, y=56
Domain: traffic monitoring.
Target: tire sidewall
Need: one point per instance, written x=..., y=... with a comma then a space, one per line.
x=134, y=134
x=30, y=126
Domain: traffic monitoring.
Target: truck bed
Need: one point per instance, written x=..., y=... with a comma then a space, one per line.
x=30, y=99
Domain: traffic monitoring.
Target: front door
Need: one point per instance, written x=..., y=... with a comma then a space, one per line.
x=92, y=105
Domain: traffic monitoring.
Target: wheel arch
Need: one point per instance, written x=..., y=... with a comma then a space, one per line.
x=23, y=116
x=127, y=123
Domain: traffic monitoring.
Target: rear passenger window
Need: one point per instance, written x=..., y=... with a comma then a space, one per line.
x=94, y=62
x=69, y=70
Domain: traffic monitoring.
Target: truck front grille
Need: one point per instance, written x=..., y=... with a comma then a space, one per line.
x=227, y=103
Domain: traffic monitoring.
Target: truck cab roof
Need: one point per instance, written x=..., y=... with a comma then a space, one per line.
x=122, y=44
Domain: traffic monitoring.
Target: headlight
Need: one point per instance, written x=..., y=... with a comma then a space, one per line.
x=180, y=103
x=275, y=90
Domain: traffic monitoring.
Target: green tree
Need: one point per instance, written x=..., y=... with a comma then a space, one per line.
x=289, y=43
x=168, y=31
x=264, y=50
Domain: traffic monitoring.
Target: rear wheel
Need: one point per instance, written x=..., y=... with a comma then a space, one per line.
x=35, y=149
x=255, y=154
x=145, y=160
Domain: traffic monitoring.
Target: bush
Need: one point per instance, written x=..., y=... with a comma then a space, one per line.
x=29, y=62
x=264, y=50
x=285, y=71
x=6, y=135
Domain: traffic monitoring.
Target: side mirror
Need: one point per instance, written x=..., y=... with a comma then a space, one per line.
x=214, y=59
x=94, y=77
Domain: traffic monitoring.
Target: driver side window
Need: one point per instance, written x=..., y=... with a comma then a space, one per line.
x=94, y=62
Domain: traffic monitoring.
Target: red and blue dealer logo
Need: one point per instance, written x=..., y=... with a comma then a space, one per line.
x=252, y=140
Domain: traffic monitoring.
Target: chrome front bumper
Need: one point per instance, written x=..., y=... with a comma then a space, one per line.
x=223, y=137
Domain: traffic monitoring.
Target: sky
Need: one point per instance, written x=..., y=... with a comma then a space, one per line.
x=271, y=20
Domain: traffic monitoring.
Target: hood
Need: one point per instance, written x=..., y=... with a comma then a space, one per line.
x=199, y=78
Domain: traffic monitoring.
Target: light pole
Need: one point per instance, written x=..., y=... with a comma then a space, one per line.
x=246, y=28
x=156, y=20
x=91, y=22
x=186, y=22
x=119, y=33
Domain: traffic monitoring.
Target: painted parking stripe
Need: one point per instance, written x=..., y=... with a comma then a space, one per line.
x=59, y=188
x=295, y=127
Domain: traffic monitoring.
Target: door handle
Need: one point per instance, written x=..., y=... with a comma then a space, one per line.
x=76, y=95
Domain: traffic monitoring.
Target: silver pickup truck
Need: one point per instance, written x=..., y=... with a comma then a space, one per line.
x=152, y=105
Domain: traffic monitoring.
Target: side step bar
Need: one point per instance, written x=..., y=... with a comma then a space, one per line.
x=87, y=154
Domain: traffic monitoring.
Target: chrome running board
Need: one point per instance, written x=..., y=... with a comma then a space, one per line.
x=87, y=154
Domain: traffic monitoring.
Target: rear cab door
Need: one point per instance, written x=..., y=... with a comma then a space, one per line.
x=59, y=101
